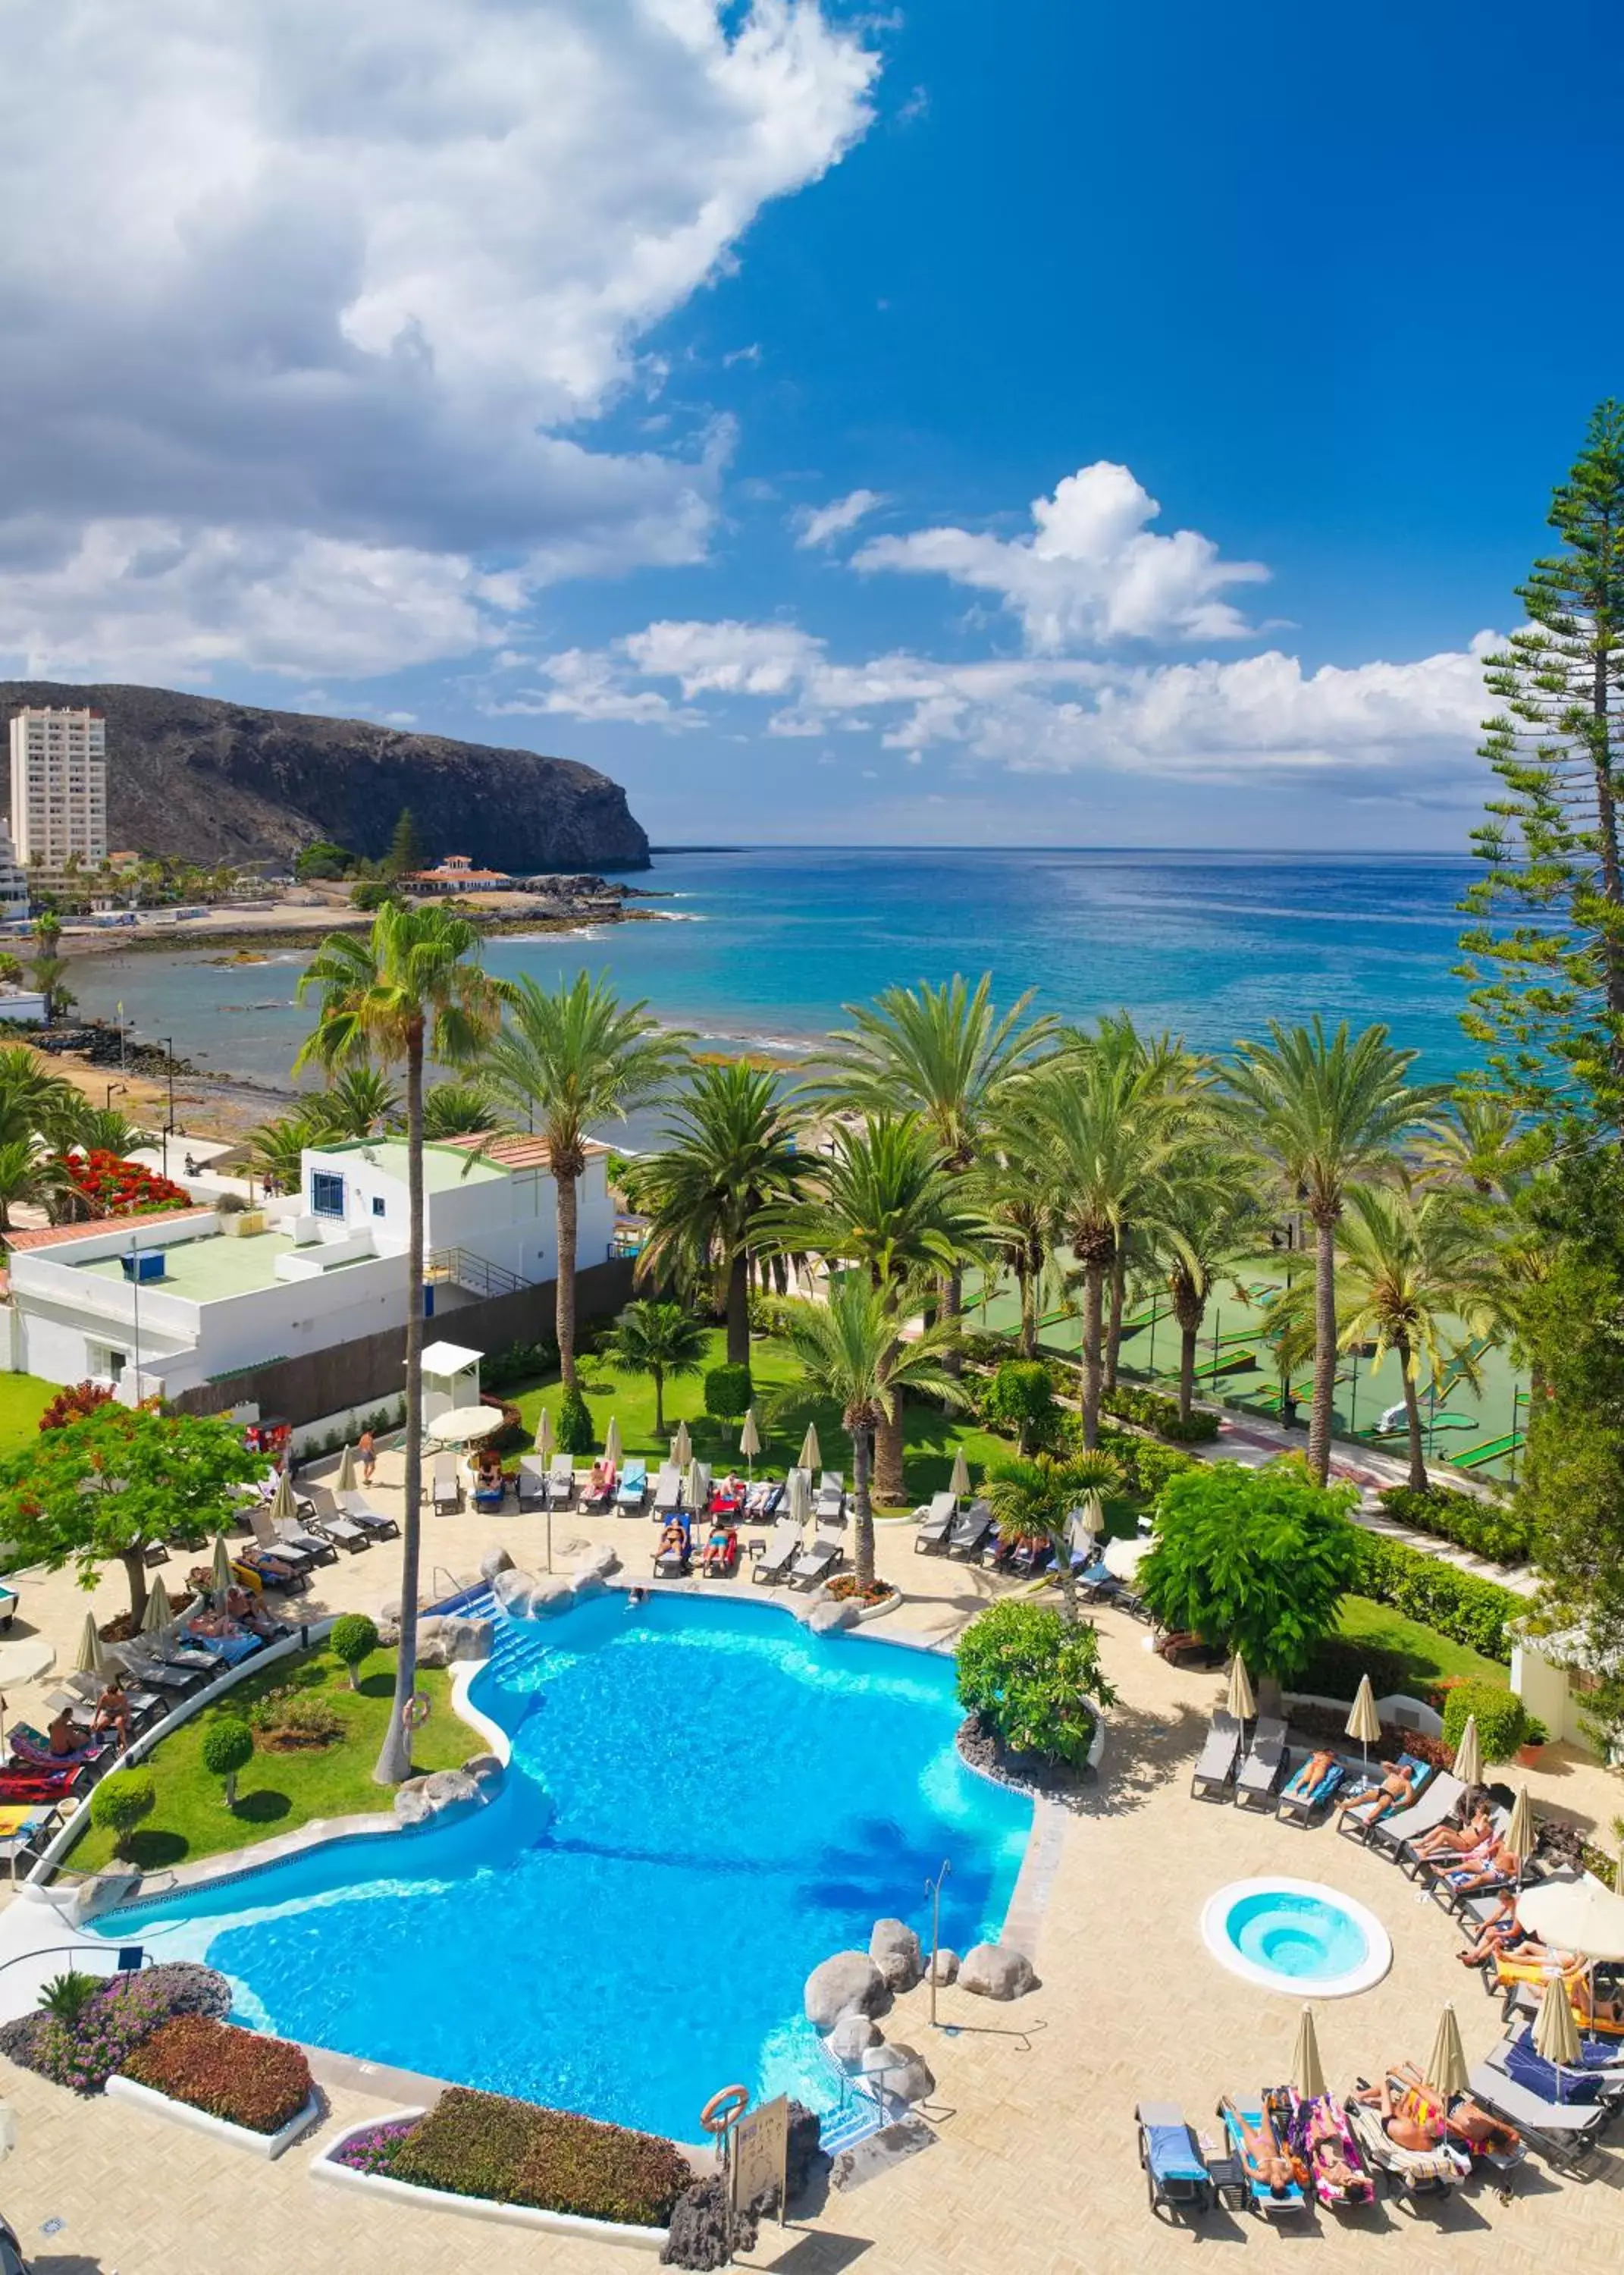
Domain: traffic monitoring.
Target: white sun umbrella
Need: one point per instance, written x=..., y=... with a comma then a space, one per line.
x=1556, y=2034
x=159, y=1612
x=682, y=1446
x=611, y=1442
x=463, y=1425
x=958, y=1484
x=1123, y=1558
x=346, y=1481
x=1238, y=1698
x=798, y=1496
x=283, y=1510
x=750, y=1440
x=222, y=1577
x=544, y=1434
x=91, y=1659
x=811, y=1457
x=1469, y=1755
x=1308, y=2074
x=1363, y=1722
x=1578, y=1916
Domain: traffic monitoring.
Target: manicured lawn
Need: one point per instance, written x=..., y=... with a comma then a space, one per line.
x=782, y=1411
x=23, y=1399
x=278, y=1792
x=1431, y=1657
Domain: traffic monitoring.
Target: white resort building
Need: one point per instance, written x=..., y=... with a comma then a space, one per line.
x=165, y=1305
x=59, y=788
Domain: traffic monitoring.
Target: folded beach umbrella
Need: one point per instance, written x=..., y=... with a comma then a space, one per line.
x=222, y=1575
x=811, y=1457
x=282, y=1510
x=160, y=1613
x=1308, y=2074
x=1469, y=1755
x=682, y=1447
x=92, y=1659
x=1446, y=2072
x=1238, y=1698
x=544, y=1434
x=1521, y=1836
x=750, y=1440
x=611, y=1442
x=1556, y=2034
x=958, y=1484
x=798, y=1496
x=1363, y=1722
x=346, y=1470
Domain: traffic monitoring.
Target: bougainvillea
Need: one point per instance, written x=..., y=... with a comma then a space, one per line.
x=115, y=1187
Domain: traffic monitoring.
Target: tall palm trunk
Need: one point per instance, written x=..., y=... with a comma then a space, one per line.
x=1094, y=1339
x=1188, y=1310
x=949, y=1307
x=1113, y=1331
x=889, y=1450
x=394, y=1755
x=1325, y=1346
x=863, y=1508
x=564, y=1309
x=1028, y=1282
x=738, y=1309
x=1412, y=1416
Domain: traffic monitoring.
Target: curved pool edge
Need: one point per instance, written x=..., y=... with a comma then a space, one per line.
x=1372, y=1969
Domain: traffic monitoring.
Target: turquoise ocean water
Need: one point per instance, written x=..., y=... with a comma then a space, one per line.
x=763, y=946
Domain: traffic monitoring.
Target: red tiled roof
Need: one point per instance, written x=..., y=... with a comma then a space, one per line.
x=52, y=1236
x=518, y=1152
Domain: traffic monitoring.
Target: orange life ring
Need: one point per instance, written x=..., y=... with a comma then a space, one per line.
x=725, y=2108
x=414, y=1713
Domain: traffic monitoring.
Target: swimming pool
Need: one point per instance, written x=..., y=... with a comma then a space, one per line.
x=1296, y=1936
x=704, y=1802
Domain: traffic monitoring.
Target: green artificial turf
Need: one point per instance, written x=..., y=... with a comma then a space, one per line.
x=279, y=1791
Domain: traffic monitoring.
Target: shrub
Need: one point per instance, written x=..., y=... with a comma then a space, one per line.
x=575, y=1434
x=66, y=1996
x=483, y=2144
x=79, y=1398
x=119, y=1804
x=471, y=2144
x=259, y=2082
x=1502, y=1719
x=1021, y=1397
x=1029, y=1675
x=85, y=2053
x=981, y=1349
x=353, y=1638
x=290, y=1718
x=1468, y=1610
x=1132, y=1403
x=1146, y=1465
x=1486, y=1528
x=373, y=2150
x=227, y=1747
x=769, y=1315
x=517, y=1363
x=728, y=1392
x=115, y=1187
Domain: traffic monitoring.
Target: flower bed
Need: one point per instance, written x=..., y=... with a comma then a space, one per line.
x=514, y=2153
x=259, y=2083
x=844, y=1588
x=115, y=1187
x=113, y=2023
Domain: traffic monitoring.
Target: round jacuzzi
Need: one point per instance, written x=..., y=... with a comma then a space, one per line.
x=1296, y=1935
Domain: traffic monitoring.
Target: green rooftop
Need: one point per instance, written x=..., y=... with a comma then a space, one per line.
x=202, y=1271
x=445, y=1167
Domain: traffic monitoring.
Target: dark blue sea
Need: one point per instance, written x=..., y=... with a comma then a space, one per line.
x=763, y=946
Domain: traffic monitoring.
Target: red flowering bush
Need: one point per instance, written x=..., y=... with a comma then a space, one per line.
x=71, y=1404
x=248, y=2079
x=115, y=1187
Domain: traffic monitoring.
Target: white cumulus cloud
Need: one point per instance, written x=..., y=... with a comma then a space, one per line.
x=820, y=525
x=1092, y=573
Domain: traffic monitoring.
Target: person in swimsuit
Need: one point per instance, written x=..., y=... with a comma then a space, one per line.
x=1265, y=2159
x=113, y=1711
x=367, y=1448
x=1501, y=1931
x=1329, y=2151
x=64, y=1739
x=1404, y=2130
x=1397, y=1791
x=1449, y=1843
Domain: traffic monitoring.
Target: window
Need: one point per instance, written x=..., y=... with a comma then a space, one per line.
x=326, y=1193
x=377, y=1205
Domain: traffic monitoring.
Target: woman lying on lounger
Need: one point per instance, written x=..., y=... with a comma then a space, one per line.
x=1397, y=1791
x=1503, y=1931
x=673, y=1541
x=1483, y=1869
x=1327, y=2149
x=1264, y=2158
x=1447, y=1843
x=1469, y=2123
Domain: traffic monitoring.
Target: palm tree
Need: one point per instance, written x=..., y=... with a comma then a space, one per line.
x=659, y=1340
x=1206, y=1221
x=1105, y=1124
x=570, y=1057
x=886, y=1203
x=459, y=1109
x=944, y=1053
x=849, y=1353
x=1040, y=1497
x=278, y=1150
x=359, y=1101
x=732, y=1160
x=1323, y=1114
x=30, y=1176
x=35, y=1103
x=103, y=1129
x=1479, y=1141
x=409, y=991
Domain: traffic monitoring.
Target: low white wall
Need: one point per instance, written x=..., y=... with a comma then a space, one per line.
x=269, y=2145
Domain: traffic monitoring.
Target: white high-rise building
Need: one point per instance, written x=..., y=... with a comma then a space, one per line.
x=13, y=883
x=60, y=787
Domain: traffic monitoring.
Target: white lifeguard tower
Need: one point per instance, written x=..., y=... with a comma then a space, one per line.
x=451, y=1379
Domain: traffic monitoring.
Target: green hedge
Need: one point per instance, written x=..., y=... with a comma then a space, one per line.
x=1474, y=1612
x=1146, y=1464
x=1503, y=1722
x=1130, y=1402
x=1485, y=1527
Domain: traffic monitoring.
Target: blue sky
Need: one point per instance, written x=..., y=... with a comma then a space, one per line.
x=670, y=387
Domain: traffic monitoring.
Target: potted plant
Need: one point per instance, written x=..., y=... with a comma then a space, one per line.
x=239, y=1218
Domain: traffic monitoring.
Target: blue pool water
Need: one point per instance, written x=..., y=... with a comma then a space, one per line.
x=735, y=1800
x=1304, y=1938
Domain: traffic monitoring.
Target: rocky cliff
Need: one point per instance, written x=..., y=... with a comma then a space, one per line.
x=222, y=781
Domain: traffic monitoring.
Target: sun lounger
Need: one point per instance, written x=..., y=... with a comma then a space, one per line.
x=1393, y=1835
x=290, y=1551
x=934, y=1523
x=817, y=1564
x=1259, y=1776
x=1299, y=1803
x=30, y=1750
x=343, y=1530
x=667, y=1494
x=1214, y=1774
x=1259, y=2194
x=632, y=1491
x=830, y=1507
x=780, y=1553
x=1360, y=1828
x=152, y=1673
x=532, y=1492
x=361, y=1511
x=1175, y=2173
x=969, y=1532
x=1409, y=2172
x=674, y=1562
x=1567, y=2134
x=561, y=1480
x=447, y=1486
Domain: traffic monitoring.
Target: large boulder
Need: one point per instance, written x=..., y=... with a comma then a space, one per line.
x=484, y=1769
x=550, y=1596
x=467, y=1639
x=898, y=2072
x=851, y=2037
x=849, y=1979
x=829, y=1617
x=703, y=2234
x=432, y=1652
x=422, y=1797
x=494, y=1562
x=996, y=1970
x=512, y=1591
x=895, y=1949
x=945, y=1965
x=598, y=1563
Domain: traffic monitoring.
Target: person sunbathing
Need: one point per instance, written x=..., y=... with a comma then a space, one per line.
x=63, y=1736
x=1469, y=2123
x=1502, y=1932
x=1262, y=2154
x=722, y=1549
x=1397, y=1791
x=1590, y=2009
x=600, y=1484
x=1317, y=1767
x=1449, y=1843
x=1402, y=2126
x=1327, y=2150
x=113, y=1711
x=1496, y=1863
x=673, y=1542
